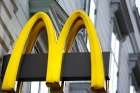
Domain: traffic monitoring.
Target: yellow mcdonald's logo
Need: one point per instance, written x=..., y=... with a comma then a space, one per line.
x=57, y=47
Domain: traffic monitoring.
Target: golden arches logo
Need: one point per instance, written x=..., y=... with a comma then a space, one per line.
x=57, y=47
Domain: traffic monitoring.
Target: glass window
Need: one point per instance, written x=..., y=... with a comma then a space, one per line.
x=35, y=87
x=92, y=17
x=92, y=11
x=138, y=5
x=114, y=56
x=132, y=89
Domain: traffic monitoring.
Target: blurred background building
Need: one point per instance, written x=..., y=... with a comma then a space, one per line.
x=118, y=26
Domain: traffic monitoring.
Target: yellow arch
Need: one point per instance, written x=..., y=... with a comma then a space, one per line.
x=20, y=47
x=56, y=48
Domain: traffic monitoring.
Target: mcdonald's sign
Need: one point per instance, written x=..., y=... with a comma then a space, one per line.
x=56, y=48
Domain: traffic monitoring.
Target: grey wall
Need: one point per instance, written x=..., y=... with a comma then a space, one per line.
x=130, y=45
x=104, y=26
x=13, y=16
x=123, y=74
x=103, y=23
x=131, y=6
